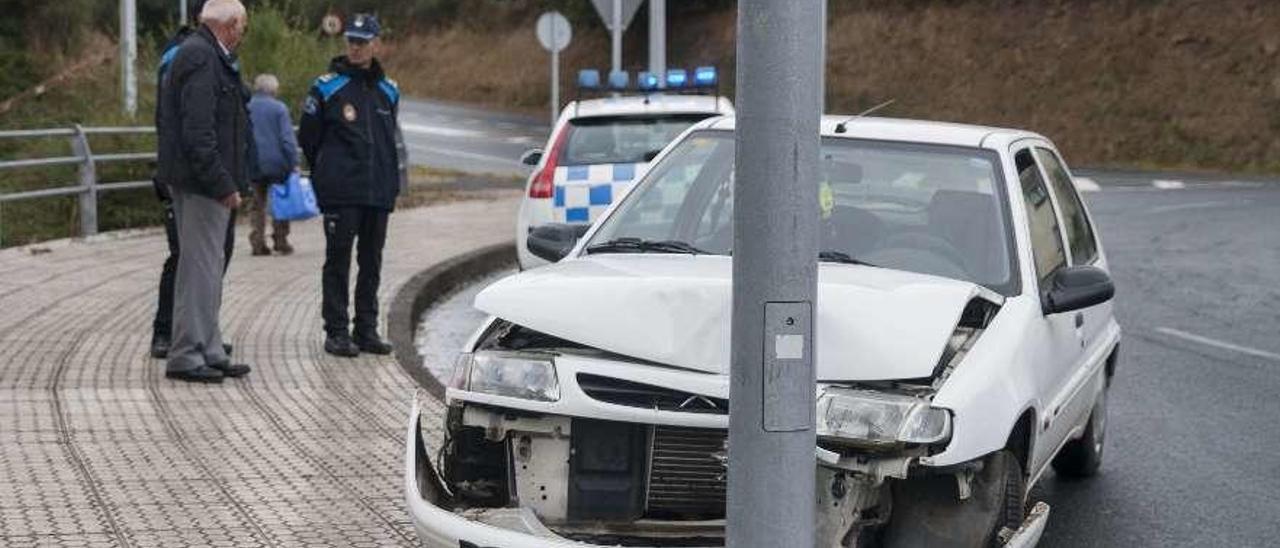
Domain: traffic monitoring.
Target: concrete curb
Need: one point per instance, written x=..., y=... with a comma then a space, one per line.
x=426, y=288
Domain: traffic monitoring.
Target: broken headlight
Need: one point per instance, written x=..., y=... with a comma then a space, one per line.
x=528, y=376
x=869, y=417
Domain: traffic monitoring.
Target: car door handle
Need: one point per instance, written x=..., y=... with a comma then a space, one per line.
x=1079, y=320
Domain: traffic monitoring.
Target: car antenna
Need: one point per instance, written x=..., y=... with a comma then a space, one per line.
x=840, y=126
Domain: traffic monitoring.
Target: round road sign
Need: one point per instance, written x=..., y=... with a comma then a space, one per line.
x=553, y=31
x=331, y=24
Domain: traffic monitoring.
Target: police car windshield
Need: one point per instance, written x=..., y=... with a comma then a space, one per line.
x=622, y=140
x=931, y=209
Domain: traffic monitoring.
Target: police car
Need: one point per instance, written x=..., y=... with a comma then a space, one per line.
x=965, y=344
x=599, y=146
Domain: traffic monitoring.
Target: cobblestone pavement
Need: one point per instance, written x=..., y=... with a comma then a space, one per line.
x=97, y=448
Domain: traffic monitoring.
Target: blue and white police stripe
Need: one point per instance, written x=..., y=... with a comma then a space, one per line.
x=582, y=193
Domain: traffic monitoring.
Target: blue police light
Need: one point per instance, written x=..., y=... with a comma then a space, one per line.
x=619, y=79
x=704, y=77
x=676, y=78
x=646, y=81
x=589, y=79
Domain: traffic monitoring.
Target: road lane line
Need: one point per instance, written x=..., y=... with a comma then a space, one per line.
x=442, y=131
x=1085, y=184
x=1165, y=184
x=464, y=154
x=1181, y=207
x=1219, y=344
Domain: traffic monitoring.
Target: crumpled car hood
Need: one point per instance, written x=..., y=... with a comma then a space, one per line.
x=872, y=323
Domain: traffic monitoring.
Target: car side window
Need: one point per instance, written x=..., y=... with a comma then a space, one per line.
x=1079, y=232
x=1046, y=236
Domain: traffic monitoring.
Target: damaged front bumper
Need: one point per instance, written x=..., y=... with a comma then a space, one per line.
x=439, y=527
x=428, y=502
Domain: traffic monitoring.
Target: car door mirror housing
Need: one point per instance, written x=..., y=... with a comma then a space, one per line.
x=553, y=242
x=531, y=157
x=1077, y=287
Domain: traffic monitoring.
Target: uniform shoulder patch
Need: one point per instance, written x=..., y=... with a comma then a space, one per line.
x=390, y=88
x=329, y=84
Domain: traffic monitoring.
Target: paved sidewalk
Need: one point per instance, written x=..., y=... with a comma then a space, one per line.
x=97, y=448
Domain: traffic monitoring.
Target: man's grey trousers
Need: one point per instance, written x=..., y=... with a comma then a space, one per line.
x=202, y=230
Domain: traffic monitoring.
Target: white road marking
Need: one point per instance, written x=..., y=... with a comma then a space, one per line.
x=441, y=131
x=1219, y=344
x=464, y=154
x=521, y=140
x=1180, y=207
x=1085, y=184
x=1165, y=184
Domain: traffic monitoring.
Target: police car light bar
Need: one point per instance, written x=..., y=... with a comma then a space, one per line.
x=619, y=80
x=646, y=81
x=704, y=77
x=676, y=78
x=589, y=79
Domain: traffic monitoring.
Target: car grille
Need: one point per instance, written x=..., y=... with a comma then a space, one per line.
x=634, y=394
x=687, y=475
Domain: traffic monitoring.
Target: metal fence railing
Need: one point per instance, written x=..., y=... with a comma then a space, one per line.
x=87, y=186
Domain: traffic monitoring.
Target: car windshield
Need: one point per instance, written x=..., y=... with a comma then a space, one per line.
x=930, y=209
x=622, y=140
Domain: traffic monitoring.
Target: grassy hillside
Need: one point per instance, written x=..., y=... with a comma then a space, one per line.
x=1188, y=84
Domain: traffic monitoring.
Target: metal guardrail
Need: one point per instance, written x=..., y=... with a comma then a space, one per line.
x=87, y=187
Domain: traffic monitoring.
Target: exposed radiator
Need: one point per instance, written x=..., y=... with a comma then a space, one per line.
x=687, y=477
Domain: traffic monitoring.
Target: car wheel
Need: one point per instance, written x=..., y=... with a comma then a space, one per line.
x=927, y=512
x=1081, y=458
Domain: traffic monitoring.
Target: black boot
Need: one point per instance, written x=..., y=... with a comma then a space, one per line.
x=341, y=345
x=372, y=344
x=160, y=346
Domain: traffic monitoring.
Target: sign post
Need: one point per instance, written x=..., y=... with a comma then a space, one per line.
x=775, y=249
x=554, y=34
x=129, y=56
x=617, y=15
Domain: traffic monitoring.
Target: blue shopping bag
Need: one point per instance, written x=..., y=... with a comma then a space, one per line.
x=294, y=199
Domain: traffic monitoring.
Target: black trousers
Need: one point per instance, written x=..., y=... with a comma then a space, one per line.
x=365, y=229
x=162, y=327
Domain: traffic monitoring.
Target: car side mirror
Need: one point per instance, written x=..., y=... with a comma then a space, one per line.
x=649, y=156
x=531, y=157
x=1077, y=287
x=553, y=242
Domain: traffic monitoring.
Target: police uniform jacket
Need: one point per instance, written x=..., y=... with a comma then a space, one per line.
x=348, y=134
x=203, y=122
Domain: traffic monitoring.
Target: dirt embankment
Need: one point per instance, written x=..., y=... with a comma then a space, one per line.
x=1150, y=83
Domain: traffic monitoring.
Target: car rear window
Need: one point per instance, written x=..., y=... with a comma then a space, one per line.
x=622, y=140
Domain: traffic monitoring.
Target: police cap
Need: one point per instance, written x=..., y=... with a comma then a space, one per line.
x=363, y=27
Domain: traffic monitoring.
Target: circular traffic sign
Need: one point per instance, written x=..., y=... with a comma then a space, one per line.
x=331, y=24
x=553, y=31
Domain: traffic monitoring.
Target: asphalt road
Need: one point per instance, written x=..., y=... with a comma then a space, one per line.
x=1193, y=443
x=461, y=138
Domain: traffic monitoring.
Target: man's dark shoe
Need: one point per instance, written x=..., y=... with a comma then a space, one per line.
x=373, y=344
x=232, y=370
x=341, y=345
x=260, y=249
x=283, y=248
x=202, y=374
x=159, y=347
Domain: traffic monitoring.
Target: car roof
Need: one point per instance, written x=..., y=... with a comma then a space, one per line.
x=633, y=105
x=905, y=130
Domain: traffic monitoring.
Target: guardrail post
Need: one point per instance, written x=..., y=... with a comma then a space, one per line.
x=88, y=181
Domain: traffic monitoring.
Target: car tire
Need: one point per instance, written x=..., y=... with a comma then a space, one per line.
x=927, y=512
x=1081, y=458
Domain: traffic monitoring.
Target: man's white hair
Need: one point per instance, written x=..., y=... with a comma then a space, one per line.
x=222, y=12
x=266, y=83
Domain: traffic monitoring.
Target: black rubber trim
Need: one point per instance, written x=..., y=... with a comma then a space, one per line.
x=426, y=289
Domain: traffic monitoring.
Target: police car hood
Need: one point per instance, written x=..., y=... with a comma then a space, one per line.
x=871, y=323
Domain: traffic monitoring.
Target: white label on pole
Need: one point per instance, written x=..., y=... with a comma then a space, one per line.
x=553, y=31
x=605, y=9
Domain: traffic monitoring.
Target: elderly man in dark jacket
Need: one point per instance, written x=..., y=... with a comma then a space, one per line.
x=348, y=133
x=204, y=159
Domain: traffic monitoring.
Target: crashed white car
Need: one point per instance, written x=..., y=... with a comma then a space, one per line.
x=965, y=344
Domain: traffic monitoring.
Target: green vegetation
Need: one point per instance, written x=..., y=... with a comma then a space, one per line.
x=92, y=98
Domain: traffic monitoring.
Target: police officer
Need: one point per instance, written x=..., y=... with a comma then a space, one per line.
x=162, y=326
x=348, y=134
